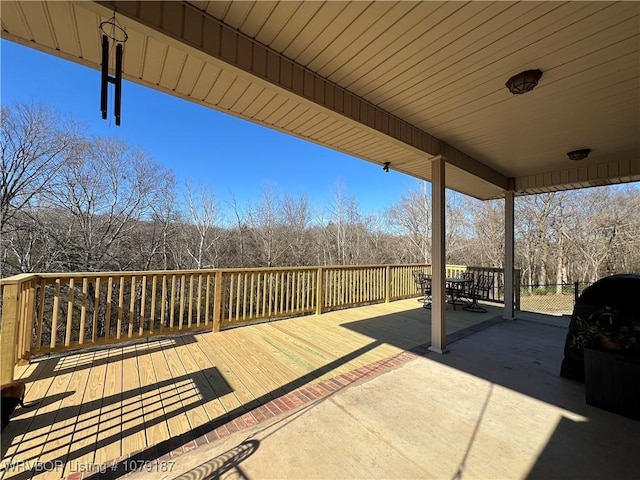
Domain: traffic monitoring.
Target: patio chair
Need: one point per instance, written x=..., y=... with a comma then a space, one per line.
x=460, y=292
x=464, y=291
x=479, y=291
x=423, y=281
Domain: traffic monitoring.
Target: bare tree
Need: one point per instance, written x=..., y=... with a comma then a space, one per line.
x=35, y=143
x=296, y=222
x=239, y=239
x=204, y=216
x=487, y=220
x=344, y=228
x=266, y=228
x=410, y=219
x=154, y=240
x=106, y=189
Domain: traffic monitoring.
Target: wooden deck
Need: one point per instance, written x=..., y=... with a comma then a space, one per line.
x=97, y=406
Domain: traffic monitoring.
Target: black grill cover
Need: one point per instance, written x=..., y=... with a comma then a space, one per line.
x=606, y=317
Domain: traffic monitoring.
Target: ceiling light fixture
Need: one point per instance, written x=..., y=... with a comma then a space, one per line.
x=579, y=154
x=523, y=82
x=385, y=167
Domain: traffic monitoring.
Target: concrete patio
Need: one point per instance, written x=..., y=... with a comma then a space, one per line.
x=494, y=407
x=348, y=394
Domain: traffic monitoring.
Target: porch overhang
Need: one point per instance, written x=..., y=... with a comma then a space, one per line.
x=391, y=82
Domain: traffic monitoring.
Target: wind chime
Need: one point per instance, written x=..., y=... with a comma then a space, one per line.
x=112, y=32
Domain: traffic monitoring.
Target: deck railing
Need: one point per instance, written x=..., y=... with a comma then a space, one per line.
x=51, y=312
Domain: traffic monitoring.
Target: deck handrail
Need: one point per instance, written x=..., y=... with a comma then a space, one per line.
x=51, y=312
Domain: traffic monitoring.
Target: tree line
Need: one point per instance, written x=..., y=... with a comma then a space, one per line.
x=74, y=202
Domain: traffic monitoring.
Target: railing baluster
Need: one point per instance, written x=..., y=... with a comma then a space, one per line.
x=238, y=281
x=83, y=310
x=132, y=308
x=251, y=296
x=120, y=308
x=183, y=286
x=67, y=335
x=163, y=303
x=43, y=288
x=143, y=301
x=96, y=309
x=206, y=300
x=199, y=300
x=21, y=324
x=152, y=310
x=189, y=320
x=172, y=305
x=107, y=320
x=217, y=301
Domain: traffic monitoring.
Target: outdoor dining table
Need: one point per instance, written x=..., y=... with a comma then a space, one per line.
x=455, y=288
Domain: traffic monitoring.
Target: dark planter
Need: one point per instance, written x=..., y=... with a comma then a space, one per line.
x=612, y=382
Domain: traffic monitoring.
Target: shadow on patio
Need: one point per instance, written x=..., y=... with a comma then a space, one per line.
x=153, y=398
x=494, y=407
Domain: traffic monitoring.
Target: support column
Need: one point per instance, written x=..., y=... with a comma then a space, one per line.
x=438, y=293
x=509, y=227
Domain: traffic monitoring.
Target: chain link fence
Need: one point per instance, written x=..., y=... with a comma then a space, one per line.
x=551, y=299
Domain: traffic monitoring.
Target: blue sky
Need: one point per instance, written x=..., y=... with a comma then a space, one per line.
x=230, y=155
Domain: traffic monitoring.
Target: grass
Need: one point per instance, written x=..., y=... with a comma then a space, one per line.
x=550, y=303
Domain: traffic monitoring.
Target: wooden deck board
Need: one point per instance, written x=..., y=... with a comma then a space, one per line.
x=156, y=428
x=268, y=363
x=33, y=444
x=38, y=381
x=108, y=445
x=99, y=405
x=60, y=436
x=133, y=424
x=82, y=452
x=227, y=380
x=188, y=391
x=202, y=371
x=169, y=397
x=236, y=356
x=343, y=344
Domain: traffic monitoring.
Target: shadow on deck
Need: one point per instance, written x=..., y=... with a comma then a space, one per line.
x=154, y=400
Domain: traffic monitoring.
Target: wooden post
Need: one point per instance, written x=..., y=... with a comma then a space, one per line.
x=387, y=284
x=516, y=286
x=438, y=255
x=509, y=249
x=319, y=291
x=10, y=318
x=217, y=302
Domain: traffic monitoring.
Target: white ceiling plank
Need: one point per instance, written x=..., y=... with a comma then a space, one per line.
x=278, y=18
x=192, y=70
x=205, y=81
x=249, y=97
x=63, y=22
x=333, y=21
x=173, y=68
x=154, y=59
x=269, y=108
x=223, y=83
x=300, y=18
x=39, y=24
x=13, y=21
x=234, y=93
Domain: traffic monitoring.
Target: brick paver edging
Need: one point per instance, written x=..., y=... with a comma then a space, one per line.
x=173, y=448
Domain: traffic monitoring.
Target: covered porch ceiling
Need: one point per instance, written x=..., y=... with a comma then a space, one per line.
x=397, y=82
